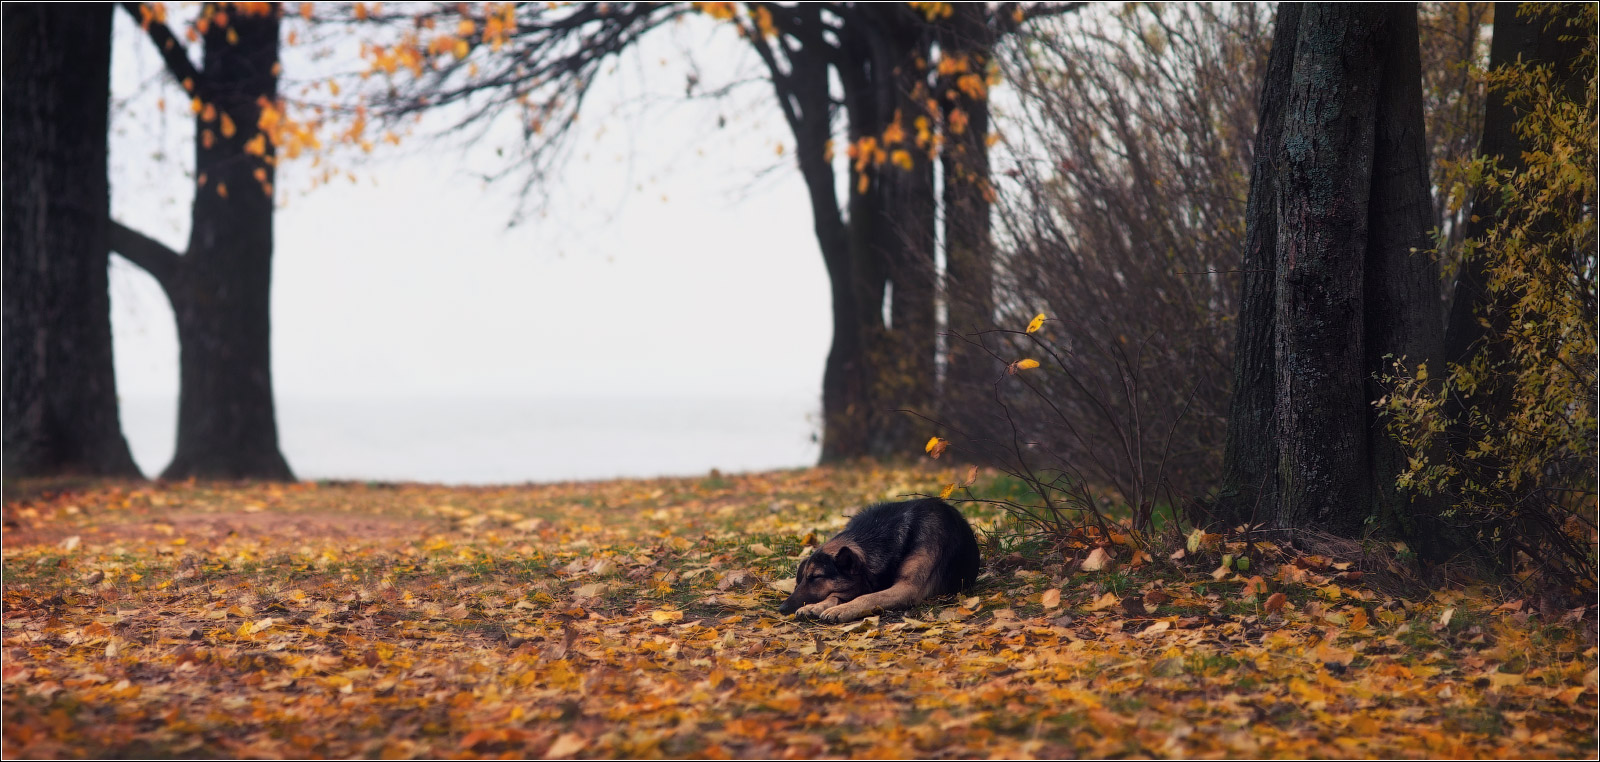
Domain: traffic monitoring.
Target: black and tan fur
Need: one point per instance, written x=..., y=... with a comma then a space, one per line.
x=890, y=556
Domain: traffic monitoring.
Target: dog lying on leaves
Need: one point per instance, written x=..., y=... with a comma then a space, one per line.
x=890, y=556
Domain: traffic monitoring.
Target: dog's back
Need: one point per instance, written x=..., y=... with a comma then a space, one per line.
x=889, y=533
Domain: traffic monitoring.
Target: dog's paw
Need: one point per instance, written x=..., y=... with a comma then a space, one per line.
x=813, y=609
x=846, y=612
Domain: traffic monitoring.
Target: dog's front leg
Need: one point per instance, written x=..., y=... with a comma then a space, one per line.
x=818, y=607
x=901, y=595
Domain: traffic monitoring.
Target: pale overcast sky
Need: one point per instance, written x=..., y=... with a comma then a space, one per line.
x=659, y=272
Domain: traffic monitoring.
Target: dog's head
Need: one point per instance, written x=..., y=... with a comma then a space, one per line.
x=822, y=575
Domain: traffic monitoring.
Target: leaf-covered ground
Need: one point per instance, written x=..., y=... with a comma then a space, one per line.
x=636, y=619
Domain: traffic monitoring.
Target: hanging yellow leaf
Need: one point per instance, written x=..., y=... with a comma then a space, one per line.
x=935, y=447
x=948, y=488
x=1021, y=365
x=228, y=129
x=209, y=112
x=902, y=159
x=222, y=190
x=1038, y=320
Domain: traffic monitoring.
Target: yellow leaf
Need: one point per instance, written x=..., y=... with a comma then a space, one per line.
x=1051, y=598
x=228, y=129
x=902, y=158
x=209, y=112
x=1104, y=602
x=1038, y=320
x=935, y=447
x=222, y=190
x=948, y=488
x=1022, y=365
x=666, y=615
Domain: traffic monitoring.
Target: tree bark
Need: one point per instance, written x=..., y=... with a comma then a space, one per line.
x=60, y=386
x=969, y=250
x=1250, y=457
x=220, y=288
x=1322, y=206
x=1402, y=296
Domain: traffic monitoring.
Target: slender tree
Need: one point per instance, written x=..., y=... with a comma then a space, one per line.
x=60, y=390
x=220, y=286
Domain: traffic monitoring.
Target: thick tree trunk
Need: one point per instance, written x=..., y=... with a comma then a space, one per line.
x=220, y=289
x=904, y=238
x=968, y=41
x=891, y=239
x=1401, y=300
x=1250, y=457
x=227, y=424
x=60, y=388
x=1322, y=204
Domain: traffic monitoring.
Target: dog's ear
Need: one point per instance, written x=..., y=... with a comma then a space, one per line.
x=845, y=560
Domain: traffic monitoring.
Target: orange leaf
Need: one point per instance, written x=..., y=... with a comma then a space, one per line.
x=1275, y=603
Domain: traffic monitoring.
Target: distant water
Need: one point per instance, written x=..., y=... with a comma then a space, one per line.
x=482, y=441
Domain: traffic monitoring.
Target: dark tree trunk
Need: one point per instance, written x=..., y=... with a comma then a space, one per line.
x=802, y=94
x=904, y=238
x=60, y=389
x=1250, y=457
x=969, y=251
x=891, y=239
x=1534, y=41
x=220, y=288
x=1322, y=204
x=1402, y=294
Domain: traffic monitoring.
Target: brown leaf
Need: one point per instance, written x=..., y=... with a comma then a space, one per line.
x=1098, y=559
x=566, y=745
x=1134, y=605
x=1275, y=603
x=558, y=651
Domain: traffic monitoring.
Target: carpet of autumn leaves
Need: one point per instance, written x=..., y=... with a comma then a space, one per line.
x=636, y=618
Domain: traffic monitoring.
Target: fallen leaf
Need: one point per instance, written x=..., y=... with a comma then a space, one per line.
x=1051, y=598
x=1156, y=629
x=1097, y=560
x=1275, y=603
x=566, y=745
